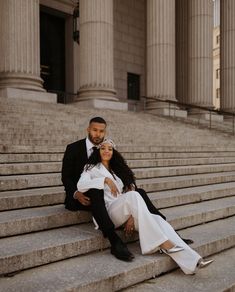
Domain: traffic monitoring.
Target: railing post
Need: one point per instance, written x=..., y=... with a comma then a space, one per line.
x=233, y=124
x=210, y=119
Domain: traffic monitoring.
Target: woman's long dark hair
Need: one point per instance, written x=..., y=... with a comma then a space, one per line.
x=117, y=164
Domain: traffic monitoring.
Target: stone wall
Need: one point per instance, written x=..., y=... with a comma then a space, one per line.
x=129, y=43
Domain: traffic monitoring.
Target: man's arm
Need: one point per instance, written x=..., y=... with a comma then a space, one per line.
x=68, y=172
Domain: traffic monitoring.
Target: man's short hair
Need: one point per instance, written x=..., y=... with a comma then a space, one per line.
x=97, y=120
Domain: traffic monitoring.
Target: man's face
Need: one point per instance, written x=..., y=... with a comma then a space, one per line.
x=96, y=132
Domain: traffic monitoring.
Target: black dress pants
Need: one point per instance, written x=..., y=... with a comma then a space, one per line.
x=97, y=208
x=152, y=209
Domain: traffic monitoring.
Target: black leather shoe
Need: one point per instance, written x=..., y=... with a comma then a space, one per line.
x=121, y=252
x=187, y=240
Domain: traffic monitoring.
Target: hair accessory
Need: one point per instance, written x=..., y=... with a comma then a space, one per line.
x=107, y=141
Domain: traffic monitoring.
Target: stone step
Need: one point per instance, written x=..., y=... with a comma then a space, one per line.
x=199, y=213
x=30, y=168
x=179, y=162
x=41, y=218
x=148, y=168
x=176, y=197
x=30, y=250
x=33, y=157
x=181, y=150
x=17, y=182
x=19, y=199
x=175, y=154
x=168, y=183
x=172, y=157
x=44, y=128
x=102, y=272
x=218, y=277
x=142, y=173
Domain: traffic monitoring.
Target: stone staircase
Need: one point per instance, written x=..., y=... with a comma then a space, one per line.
x=188, y=172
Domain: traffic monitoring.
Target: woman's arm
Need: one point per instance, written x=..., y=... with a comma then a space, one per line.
x=86, y=182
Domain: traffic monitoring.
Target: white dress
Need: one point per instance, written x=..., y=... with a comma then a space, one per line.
x=153, y=229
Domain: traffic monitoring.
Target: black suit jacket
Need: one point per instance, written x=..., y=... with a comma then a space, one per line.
x=75, y=158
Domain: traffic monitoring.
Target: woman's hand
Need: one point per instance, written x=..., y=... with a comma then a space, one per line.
x=129, y=226
x=112, y=186
x=84, y=200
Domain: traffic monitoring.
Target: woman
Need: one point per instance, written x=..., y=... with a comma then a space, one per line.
x=106, y=169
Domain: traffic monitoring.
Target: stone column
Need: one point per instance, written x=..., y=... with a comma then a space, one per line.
x=96, y=50
x=182, y=50
x=19, y=45
x=201, y=53
x=227, y=56
x=161, y=63
x=161, y=49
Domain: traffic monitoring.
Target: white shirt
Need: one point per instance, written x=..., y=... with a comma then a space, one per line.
x=89, y=146
x=94, y=179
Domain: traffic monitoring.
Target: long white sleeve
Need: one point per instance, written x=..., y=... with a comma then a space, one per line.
x=86, y=182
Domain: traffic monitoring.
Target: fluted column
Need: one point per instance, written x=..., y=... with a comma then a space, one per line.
x=96, y=50
x=161, y=49
x=201, y=52
x=182, y=50
x=19, y=45
x=227, y=61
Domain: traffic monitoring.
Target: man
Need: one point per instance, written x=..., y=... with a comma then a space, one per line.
x=75, y=158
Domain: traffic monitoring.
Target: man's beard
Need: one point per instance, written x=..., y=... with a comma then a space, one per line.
x=95, y=141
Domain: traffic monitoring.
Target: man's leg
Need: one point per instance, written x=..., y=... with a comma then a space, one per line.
x=152, y=209
x=99, y=212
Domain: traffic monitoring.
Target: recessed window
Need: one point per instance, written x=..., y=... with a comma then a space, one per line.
x=217, y=92
x=133, y=86
x=217, y=39
x=217, y=73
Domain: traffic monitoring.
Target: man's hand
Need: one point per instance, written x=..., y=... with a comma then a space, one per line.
x=84, y=200
x=112, y=186
x=129, y=226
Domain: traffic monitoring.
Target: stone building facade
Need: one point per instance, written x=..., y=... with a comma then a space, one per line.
x=128, y=49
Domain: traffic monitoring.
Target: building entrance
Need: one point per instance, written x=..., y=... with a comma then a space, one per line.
x=52, y=51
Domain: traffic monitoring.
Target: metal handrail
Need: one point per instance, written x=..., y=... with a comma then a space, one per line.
x=188, y=106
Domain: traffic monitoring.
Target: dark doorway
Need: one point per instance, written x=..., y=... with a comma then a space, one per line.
x=133, y=86
x=52, y=50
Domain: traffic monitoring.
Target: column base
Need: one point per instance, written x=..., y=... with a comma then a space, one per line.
x=97, y=93
x=194, y=113
x=102, y=104
x=28, y=95
x=166, y=109
x=21, y=81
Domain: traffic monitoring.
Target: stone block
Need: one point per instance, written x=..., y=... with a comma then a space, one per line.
x=28, y=95
x=103, y=104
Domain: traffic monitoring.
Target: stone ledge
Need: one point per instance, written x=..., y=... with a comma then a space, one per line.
x=28, y=95
x=103, y=104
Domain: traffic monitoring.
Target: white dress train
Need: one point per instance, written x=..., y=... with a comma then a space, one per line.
x=153, y=229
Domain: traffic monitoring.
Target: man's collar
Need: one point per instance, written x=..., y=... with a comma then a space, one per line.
x=89, y=144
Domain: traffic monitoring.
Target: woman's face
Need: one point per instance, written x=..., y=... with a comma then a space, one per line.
x=106, y=152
